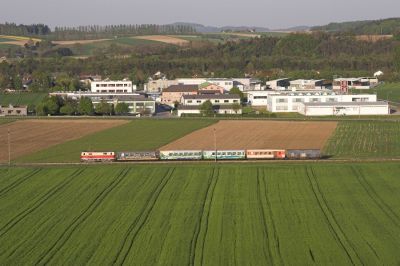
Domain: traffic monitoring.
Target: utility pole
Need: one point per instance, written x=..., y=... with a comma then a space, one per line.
x=215, y=144
x=9, y=147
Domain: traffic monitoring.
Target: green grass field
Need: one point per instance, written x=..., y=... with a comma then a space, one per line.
x=136, y=135
x=365, y=139
x=236, y=214
x=21, y=98
x=5, y=120
x=387, y=91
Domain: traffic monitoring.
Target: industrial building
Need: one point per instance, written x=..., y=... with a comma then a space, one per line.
x=363, y=83
x=292, y=101
x=221, y=99
x=218, y=109
x=344, y=108
x=307, y=84
x=107, y=86
x=278, y=84
x=259, y=98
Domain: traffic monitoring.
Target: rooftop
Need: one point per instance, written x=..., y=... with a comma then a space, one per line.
x=181, y=88
x=208, y=97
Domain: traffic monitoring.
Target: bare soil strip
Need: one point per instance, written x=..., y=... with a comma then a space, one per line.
x=29, y=136
x=232, y=135
x=79, y=41
x=164, y=39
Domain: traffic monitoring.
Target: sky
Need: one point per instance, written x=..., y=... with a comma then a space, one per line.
x=264, y=13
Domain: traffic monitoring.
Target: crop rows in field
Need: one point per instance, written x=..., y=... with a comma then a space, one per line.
x=21, y=98
x=365, y=139
x=180, y=215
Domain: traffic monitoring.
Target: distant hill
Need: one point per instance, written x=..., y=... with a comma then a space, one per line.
x=382, y=26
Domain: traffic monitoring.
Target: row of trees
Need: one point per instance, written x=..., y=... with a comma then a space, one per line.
x=59, y=106
x=24, y=30
x=92, y=31
x=110, y=31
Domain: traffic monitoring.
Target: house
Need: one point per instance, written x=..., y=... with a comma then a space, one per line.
x=292, y=101
x=344, y=108
x=87, y=79
x=112, y=86
x=278, y=84
x=210, y=88
x=14, y=110
x=248, y=84
x=174, y=93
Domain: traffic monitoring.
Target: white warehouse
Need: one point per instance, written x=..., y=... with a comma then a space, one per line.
x=345, y=108
x=124, y=86
x=259, y=98
x=293, y=101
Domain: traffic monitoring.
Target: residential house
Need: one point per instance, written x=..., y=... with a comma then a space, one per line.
x=174, y=93
x=11, y=110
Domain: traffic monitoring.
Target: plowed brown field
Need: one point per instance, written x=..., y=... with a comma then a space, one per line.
x=257, y=135
x=28, y=136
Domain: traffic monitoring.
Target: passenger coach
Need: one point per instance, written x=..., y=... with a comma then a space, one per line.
x=88, y=156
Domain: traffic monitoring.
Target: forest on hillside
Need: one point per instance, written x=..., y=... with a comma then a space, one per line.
x=317, y=55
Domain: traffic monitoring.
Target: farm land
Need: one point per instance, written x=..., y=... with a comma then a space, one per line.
x=201, y=214
x=257, y=134
x=28, y=136
x=135, y=135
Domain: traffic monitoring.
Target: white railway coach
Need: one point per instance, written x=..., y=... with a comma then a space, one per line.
x=266, y=154
x=181, y=155
x=137, y=156
x=96, y=156
x=225, y=155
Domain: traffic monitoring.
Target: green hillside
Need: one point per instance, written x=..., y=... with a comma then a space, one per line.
x=383, y=26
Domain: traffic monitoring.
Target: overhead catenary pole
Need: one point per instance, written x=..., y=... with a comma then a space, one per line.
x=215, y=143
x=9, y=147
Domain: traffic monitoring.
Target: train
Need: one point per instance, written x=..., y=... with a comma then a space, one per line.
x=201, y=155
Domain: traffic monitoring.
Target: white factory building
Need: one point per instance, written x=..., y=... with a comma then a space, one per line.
x=259, y=98
x=124, y=86
x=244, y=84
x=342, y=109
x=293, y=101
x=363, y=83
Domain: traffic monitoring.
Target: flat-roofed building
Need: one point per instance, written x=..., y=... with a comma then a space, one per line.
x=124, y=86
x=292, y=101
x=278, y=84
x=221, y=99
x=344, y=108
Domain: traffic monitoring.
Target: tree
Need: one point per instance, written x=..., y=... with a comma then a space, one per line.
x=206, y=109
x=41, y=109
x=68, y=109
x=397, y=58
x=122, y=108
x=236, y=107
x=85, y=106
x=103, y=108
x=236, y=91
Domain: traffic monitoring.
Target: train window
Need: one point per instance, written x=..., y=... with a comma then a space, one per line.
x=213, y=153
x=224, y=153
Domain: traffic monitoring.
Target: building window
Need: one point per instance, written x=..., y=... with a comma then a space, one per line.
x=216, y=101
x=97, y=85
x=189, y=101
x=281, y=108
x=226, y=101
x=330, y=100
x=198, y=101
x=315, y=100
x=298, y=100
x=235, y=101
x=281, y=100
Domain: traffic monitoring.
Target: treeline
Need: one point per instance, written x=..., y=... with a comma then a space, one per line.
x=110, y=31
x=375, y=27
x=55, y=105
x=92, y=31
x=24, y=30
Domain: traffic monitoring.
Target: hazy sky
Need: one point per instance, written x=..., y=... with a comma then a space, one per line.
x=266, y=13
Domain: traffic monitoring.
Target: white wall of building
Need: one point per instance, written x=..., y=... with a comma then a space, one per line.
x=291, y=102
x=112, y=86
x=340, y=110
x=215, y=101
x=259, y=98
